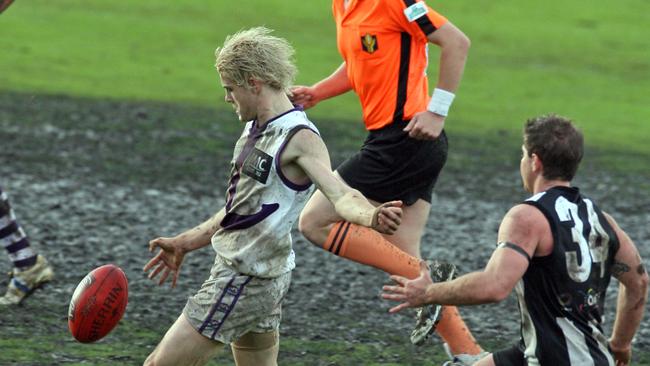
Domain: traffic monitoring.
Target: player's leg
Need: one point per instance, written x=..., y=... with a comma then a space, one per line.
x=320, y=224
x=30, y=270
x=389, y=166
x=366, y=246
x=451, y=328
x=408, y=170
x=408, y=234
x=257, y=349
x=183, y=345
x=317, y=218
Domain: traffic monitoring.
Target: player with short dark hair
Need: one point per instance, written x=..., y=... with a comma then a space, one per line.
x=277, y=158
x=558, y=251
x=554, y=139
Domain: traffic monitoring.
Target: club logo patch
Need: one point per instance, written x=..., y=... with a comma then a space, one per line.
x=258, y=165
x=369, y=43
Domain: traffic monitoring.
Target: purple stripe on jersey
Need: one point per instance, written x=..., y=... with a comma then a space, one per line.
x=278, y=168
x=233, y=221
x=20, y=244
x=8, y=230
x=253, y=135
x=232, y=189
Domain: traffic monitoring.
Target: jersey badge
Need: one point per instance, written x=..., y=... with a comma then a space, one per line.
x=416, y=11
x=258, y=165
x=369, y=43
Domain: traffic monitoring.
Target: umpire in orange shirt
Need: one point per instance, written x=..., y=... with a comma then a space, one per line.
x=384, y=45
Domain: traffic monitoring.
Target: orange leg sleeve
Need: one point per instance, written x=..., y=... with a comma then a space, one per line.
x=366, y=246
x=453, y=330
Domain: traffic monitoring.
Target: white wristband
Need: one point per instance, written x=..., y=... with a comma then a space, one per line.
x=440, y=102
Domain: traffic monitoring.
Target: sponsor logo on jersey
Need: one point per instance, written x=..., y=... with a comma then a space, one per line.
x=258, y=165
x=369, y=43
x=415, y=11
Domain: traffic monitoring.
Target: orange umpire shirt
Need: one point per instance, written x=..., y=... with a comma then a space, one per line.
x=384, y=46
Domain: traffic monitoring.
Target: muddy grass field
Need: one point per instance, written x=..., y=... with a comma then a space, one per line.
x=93, y=181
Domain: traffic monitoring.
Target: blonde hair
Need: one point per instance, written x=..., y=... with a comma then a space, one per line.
x=254, y=53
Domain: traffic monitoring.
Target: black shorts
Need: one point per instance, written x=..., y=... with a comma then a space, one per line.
x=393, y=166
x=513, y=356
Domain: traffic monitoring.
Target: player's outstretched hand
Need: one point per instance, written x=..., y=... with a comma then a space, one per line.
x=388, y=217
x=425, y=126
x=411, y=293
x=304, y=96
x=168, y=260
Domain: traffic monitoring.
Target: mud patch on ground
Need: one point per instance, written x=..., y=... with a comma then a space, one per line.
x=92, y=182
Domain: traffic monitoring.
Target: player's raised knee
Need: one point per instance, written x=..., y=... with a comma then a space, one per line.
x=312, y=228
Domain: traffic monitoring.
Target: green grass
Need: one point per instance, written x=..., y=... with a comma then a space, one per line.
x=584, y=61
x=48, y=342
x=131, y=342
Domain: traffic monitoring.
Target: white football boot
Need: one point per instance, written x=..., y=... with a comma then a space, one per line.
x=23, y=283
x=462, y=359
x=428, y=316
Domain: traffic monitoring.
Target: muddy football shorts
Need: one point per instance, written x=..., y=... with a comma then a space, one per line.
x=393, y=166
x=230, y=304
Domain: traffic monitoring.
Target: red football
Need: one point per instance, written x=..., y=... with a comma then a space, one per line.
x=98, y=303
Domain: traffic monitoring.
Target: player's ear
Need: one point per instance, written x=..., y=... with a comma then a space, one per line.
x=536, y=162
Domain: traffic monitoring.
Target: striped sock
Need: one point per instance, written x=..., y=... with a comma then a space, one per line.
x=367, y=246
x=13, y=238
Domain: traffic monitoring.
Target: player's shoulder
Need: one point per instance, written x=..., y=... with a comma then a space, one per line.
x=525, y=214
x=305, y=139
x=526, y=225
x=295, y=118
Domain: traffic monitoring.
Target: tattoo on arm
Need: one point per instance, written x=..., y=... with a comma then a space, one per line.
x=619, y=268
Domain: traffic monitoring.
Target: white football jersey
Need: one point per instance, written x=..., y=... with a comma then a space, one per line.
x=261, y=204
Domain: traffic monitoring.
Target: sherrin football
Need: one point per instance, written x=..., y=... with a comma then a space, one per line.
x=98, y=303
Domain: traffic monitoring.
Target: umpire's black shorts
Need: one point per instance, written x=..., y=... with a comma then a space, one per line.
x=393, y=166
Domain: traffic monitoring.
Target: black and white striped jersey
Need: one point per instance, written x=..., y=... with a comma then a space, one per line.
x=561, y=295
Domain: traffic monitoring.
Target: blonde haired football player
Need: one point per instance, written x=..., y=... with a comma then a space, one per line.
x=277, y=161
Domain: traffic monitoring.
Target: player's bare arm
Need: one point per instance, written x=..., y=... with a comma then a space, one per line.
x=172, y=250
x=335, y=84
x=629, y=270
x=306, y=154
x=454, y=47
x=522, y=234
